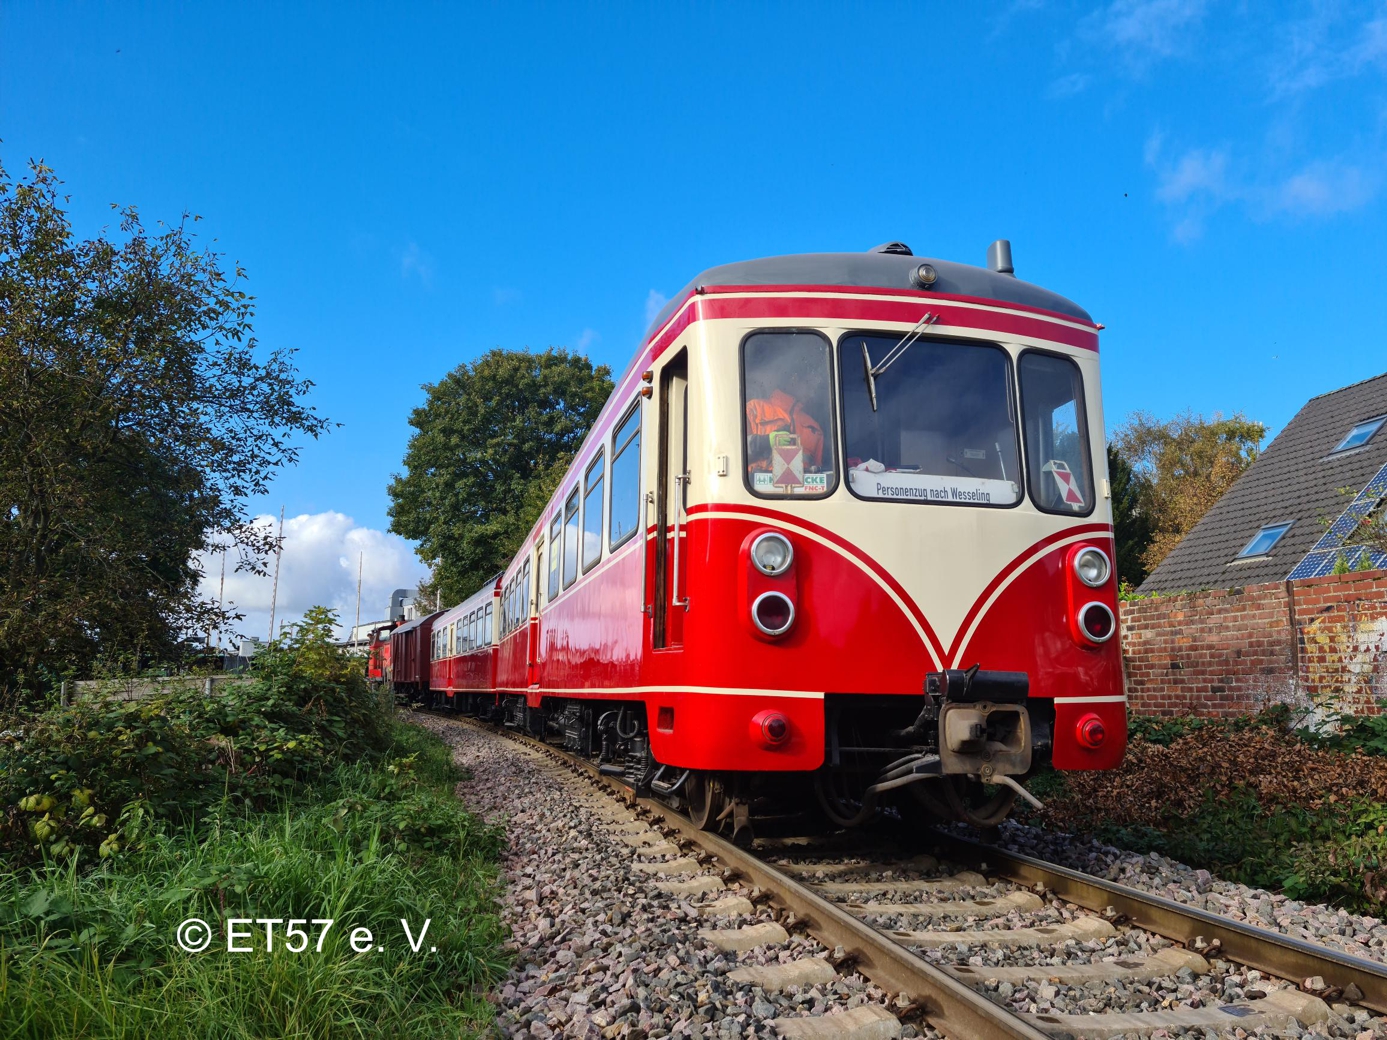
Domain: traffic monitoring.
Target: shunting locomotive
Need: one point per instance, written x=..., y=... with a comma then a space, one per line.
x=843, y=527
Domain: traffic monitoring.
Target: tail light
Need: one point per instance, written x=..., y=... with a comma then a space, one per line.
x=773, y=613
x=1090, y=732
x=1096, y=621
x=770, y=728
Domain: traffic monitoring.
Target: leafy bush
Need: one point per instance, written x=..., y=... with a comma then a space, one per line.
x=95, y=776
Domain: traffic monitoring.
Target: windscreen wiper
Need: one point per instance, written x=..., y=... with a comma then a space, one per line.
x=872, y=371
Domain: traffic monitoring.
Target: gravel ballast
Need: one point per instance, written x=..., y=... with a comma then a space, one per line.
x=598, y=950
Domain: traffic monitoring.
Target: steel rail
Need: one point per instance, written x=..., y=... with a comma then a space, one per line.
x=950, y=1006
x=1273, y=952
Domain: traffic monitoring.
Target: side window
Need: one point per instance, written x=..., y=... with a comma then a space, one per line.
x=555, y=551
x=473, y=638
x=626, y=477
x=592, y=511
x=787, y=383
x=486, y=628
x=570, y=539
x=1056, y=431
x=525, y=592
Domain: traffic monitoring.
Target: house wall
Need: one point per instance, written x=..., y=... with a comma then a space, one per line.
x=1233, y=651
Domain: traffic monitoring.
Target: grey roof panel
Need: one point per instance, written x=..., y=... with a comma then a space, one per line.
x=882, y=270
x=1295, y=479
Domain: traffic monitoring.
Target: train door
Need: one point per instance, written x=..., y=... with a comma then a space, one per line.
x=532, y=611
x=671, y=501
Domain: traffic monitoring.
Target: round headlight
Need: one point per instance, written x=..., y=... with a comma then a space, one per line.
x=1097, y=622
x=1092, y=567
x=773, y=613
x=772, y=553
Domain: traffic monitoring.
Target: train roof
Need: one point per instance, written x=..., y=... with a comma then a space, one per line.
x=411, y=625
x=876, y=269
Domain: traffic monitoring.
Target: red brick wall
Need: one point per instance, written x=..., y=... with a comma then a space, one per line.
x=1233, y=651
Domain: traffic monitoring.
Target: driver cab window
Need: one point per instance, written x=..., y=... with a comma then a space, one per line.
x=1057, y=455
x=787, y=383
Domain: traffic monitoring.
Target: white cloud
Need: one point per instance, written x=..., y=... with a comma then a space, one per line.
x=1321, y=49
x=1197, y=172
x=318, y=567
x=1068, y=86
x=1324, y=188
x=414, y=261
x=654, y=303
x=586, y=339
x=1144, y=30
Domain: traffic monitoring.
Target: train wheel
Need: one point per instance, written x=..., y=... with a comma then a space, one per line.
x=706, y=799
x=974, y=804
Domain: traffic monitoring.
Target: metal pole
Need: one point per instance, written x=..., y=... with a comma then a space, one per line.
x=360, y=558
x=274, y=594
x=221, y=596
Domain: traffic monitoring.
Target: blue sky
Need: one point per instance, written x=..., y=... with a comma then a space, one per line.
x=411, y=185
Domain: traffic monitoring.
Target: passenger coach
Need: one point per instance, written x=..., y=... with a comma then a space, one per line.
x=845, y=523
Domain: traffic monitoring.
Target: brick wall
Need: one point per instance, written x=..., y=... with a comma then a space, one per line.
x=1232, y=651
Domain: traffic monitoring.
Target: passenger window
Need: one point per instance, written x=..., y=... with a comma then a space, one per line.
x=555, y=542
x=592, y=512
x=474, y=638
x=626, y=478
x=570, y=539
x=525, y=592
x=1057, y=453
x=787, y=385
x=486, y=628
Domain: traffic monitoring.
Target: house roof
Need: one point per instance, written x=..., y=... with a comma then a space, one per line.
x=1297, y=479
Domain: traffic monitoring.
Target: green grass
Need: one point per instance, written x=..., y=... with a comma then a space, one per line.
x=91, y=952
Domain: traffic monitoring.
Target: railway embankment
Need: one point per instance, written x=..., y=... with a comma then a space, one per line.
x=1285, y=828
x=294, y=798
x=621, y=931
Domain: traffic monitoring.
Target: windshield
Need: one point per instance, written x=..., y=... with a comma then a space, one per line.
x=943, y=430
x=1057, y=458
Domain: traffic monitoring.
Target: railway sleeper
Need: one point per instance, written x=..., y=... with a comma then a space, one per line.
x=1159, y=965
x=1084, y=929
x=1277, y=1011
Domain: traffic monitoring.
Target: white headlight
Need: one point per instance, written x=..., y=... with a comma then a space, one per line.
x=772, y=553
x=1092, y=567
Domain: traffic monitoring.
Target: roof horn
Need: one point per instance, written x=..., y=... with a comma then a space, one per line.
x=999, y=257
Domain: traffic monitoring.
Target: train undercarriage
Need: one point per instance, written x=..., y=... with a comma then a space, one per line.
x=959, y=754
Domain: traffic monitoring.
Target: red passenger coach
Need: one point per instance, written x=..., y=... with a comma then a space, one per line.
x=844, y=524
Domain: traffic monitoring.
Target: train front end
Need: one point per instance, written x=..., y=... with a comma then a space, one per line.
x=899, y=545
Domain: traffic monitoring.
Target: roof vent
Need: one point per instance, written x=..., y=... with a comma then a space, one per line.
x=999, y=257
x=896, y=248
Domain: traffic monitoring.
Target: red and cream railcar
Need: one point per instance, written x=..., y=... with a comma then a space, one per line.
x=844, y=520
x=462, y=650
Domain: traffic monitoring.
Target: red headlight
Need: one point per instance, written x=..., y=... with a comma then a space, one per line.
x=1096, y=621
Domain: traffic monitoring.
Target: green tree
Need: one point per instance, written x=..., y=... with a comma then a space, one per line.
x=491, y=443
x=1131, y=522
x=136, y=416
x=1185, y=465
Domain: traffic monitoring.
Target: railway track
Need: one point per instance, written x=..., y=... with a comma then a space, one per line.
x=958, y=933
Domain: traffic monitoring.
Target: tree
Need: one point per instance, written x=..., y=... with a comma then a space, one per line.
x=136, y=416
x=1186, y=464
x=1131, y=522
x=491, y=443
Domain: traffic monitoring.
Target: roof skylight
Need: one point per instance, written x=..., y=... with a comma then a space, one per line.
x=1360, y=434
x=1264, y=540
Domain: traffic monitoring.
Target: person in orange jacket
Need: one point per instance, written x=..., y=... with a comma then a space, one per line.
x=782, y=412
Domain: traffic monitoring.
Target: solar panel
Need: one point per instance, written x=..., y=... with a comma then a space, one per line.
x=1327, y=552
